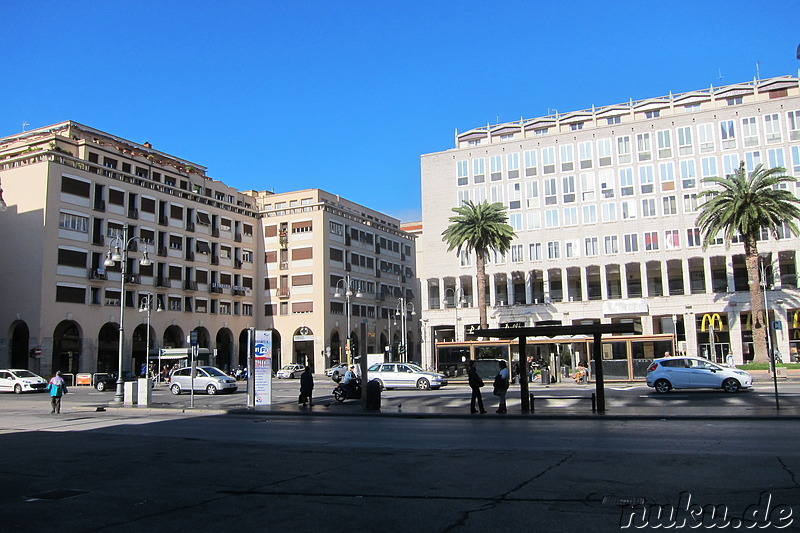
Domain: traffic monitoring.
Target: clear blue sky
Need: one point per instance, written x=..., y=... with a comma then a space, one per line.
x=346, y=96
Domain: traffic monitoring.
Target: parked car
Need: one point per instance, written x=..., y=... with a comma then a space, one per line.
x=109, y=381
x=20, y=380
x=208, y=378
x=336, y=372
x=291, y=371
x=689, y=372
x=405, y=375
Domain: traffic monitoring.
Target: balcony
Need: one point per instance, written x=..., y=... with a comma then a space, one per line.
x=162, y=251
x=189, y=225
x=99, y=240
x=237, y=264
x=133, y=278
x=283, y=293
x=99, y=205
x=284, y=265
x=164, y=221
x=162, y=282
x=189, y=285
x=215, y=288
x=133, y=213
x=215, y=232
x=238, y=292
x=189, y=255
x=214, y=259
x=97, y=273
x=237, y=237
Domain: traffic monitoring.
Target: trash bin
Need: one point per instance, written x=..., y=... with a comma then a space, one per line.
x=545, y=376
x=564, y=371
x=373, y=401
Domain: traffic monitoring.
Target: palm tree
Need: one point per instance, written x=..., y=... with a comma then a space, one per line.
x=742, y=205
x=479, y=228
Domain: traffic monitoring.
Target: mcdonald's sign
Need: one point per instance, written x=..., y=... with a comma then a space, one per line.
x=796, y=319
x=712, y=321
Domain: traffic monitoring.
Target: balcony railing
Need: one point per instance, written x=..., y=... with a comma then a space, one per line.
x=133, y=213
x=162, y=282
x=97, y=273
x=189, y=225
x=189, y=285
x=99, y=205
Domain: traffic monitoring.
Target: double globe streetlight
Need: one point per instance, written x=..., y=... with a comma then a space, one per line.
x=347, y=282
x=149, y=302
x=120, y=254
x=403, y=308
x=458, y=301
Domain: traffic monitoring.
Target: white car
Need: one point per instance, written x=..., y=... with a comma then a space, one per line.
x=19, y=380
x=405, y=375
x=208, y=378
x=670, y=373
x=291, y=371
x=336, y=371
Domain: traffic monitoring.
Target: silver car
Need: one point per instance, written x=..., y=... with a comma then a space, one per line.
x=689, y=372
x=207, y=378
x=405, y=375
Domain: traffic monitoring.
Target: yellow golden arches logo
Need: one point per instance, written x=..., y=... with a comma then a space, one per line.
x=748, y=322
x=796, y=320
x=714, y=321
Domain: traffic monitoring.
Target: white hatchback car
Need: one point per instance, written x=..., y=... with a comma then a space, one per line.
x=670, y=373
x=208, y=378
x=405, y=376
x=19, y=380
x=291, y=371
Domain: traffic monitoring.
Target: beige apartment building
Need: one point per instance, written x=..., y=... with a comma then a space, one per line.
x=604, y=203
x=318, y=245
x=220, y=261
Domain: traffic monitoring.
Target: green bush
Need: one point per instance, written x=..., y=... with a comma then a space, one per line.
x=766, y=366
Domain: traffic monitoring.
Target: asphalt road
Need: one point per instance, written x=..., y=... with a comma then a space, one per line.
x=175, y=469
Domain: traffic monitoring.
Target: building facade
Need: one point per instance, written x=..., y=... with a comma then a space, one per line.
x=604, y=203
x=318, y=248
x=76, y=195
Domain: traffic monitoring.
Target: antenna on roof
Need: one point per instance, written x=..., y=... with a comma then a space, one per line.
x=758, y=73
x=720, y=75
x=24, y=123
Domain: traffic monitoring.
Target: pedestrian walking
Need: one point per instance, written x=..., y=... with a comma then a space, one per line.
x=306, y=387
x=475, y=383
x=57, y=389
x=501, y=387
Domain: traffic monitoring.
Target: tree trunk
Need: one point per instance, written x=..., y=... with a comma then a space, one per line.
x=760, y=324
x=481, y=264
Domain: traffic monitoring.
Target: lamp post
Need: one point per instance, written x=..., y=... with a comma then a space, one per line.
x=347, y=282
x=767, y=325
x=402, y=311
x=458, y=301
x=120, y=253
x=675, y=334
x=147, y=307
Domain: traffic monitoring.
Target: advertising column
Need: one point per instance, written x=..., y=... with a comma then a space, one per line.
x=262, y=372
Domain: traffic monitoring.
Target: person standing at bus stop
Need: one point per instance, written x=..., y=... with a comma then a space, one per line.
x=475, y=383
x=307, y=387
x=501, y=382
x=57, y=389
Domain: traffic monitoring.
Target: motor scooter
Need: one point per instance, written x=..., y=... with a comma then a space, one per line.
x=350, y=391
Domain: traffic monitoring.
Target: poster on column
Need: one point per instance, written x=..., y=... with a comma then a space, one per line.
x=262, y=378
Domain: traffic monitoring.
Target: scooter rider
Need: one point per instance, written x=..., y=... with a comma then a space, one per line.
x=349, y=380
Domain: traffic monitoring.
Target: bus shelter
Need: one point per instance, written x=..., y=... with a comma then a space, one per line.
x=594, y=330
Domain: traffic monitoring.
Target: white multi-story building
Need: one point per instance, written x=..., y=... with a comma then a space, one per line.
x=604, y=204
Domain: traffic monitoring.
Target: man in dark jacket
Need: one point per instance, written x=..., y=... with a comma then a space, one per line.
x=306, y=386
x=475, y=383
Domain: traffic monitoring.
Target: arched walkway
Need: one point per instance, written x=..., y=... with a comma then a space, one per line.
x=67, y=338
x=20, y=339
x=224, y=344
x=108, y=348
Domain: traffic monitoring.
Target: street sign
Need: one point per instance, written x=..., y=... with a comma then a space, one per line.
x=777, y=325
x=193, y=338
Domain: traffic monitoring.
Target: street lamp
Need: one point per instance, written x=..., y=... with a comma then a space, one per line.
x=402, y=311
x=120, y=253
x=347, y=282
x=458, y=301
x=146, y=307
x=770, y=351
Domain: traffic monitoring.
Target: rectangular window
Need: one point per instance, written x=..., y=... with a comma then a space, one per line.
x=585, y=154
x=666, y=175
x=631, y=243
x=535, y=251
x=652, y=114
x=626, y=182
x=672, y=239
x=587, y=187
x=646, y=179
x=628, y=209
x=664, y=141
x=462, y=172
x=611, y=245
x=570, y=216
x=609, y=211
x=623, y=150
x=479, y=170
x=651, y=240
x=514, y=195
x=553, y=250
x=550, y=191
x=793, y=124
x=688, y=176
x=727, y=134
x=749, y=131
x=568, y=186
x=496, y=194
x=590, y=246
x=71, y=258
x=116, y=197
x=643, y=148
x=708, y=167
x=512, y=164
x=517, y=255
x=530, y=163
x=496, y=167
x=551, y=218
x=589, y=214
x=685, y=141
x=606, y=178
x=576, y=126
x=76, y=295
x=730, y=162
x=534, y=220
x=670, y=205
x=73, y=222
x=649, y=207
x=549, y=159
x=693, y=237
x=515, y=221
x=752, y=159
x=796, y=162
x=610, y=121
x=532, y=194
x=689, y=203
x=604, y=152
x=775, y=158
x=567, y=158
x=571, y=248
x=76, y=187
x=705, y=137
x=772, y=128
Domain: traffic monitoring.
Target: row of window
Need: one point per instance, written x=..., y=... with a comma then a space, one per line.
x=664, y=144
